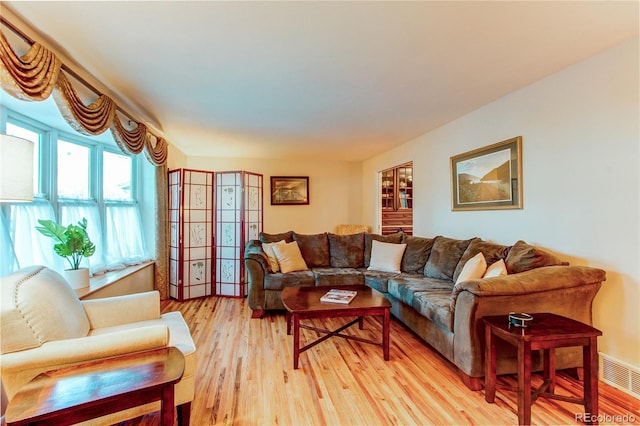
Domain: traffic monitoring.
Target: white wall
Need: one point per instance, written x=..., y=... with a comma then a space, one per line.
x=580, y=130
x=335, y=189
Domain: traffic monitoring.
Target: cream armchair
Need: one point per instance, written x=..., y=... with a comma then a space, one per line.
x=44, y=326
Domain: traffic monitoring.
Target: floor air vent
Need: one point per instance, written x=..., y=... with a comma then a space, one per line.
x=620, y=375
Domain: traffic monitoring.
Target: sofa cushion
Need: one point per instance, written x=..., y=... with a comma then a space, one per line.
x=292, y=279
x=386, y=257
x=274, y=238
x=314, y=248
x=492, y=252
x=346, y=251
x=368, y=238
x=416, y=254
x=337, y=276
x=378, y=280
x=289, y=257
x=444, y=258
x=435, y=305
x=38, y=306
x=523, y=257
x=403, y=287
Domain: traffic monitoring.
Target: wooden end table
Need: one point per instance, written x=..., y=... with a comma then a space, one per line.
x=547, y=332
x=93, y=389
x=304, y=303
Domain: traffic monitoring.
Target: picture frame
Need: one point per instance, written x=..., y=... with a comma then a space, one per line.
x=289, y=190
x=488, y=178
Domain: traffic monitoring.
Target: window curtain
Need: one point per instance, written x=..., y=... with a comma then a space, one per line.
x=122, y=221
x=162, y=231
x=31, y=247
x=39, y=73
x=8, y=259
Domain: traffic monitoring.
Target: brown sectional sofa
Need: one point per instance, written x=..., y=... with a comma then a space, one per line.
x=423, y=294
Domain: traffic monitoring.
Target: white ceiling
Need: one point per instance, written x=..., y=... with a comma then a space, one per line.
x=306, y=79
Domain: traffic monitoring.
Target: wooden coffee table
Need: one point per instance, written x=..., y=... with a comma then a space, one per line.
x=304, y=303
x=93, y=389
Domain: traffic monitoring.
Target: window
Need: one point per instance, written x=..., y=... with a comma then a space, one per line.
x=76, y=177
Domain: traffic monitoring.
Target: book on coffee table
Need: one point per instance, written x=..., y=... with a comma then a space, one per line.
x=338, y=296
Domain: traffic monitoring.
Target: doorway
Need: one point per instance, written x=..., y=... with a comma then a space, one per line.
x=396, y=199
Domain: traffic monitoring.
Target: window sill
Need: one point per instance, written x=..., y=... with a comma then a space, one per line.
x=103, y=281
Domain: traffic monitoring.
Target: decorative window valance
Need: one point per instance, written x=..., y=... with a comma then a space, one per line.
x=39, y=73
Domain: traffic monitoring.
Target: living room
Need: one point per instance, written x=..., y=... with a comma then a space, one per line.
x=581, y=195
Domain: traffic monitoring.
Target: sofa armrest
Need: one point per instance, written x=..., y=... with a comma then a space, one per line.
x=118, y=310
x=535, y=280
x=564, y=290
x=18, y=368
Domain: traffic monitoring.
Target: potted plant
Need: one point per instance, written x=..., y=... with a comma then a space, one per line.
x=74, y=244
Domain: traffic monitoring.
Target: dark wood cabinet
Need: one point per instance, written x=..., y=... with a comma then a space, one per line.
x=397, y=199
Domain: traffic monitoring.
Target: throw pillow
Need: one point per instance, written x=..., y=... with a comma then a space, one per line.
x=492, y=253
x=386, y=257
x=273, y=238
x=368, y=238
x=496, y=269
x=474, y=268
x=289, y=257
x=271, y=256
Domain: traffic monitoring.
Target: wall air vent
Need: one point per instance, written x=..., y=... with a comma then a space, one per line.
x=620, y=375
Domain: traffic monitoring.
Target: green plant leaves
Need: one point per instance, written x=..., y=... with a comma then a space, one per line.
x=73, y=242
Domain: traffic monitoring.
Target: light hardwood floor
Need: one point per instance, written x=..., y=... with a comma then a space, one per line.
x=246, y=377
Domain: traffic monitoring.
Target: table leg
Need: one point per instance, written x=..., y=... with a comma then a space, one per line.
x=489, y=365
x=590, y=364
x=549, y=357
x=167, y=406
x=288, y=317
x=385, y=335
x=361, y=323
x=524, y=383
x=296, y=340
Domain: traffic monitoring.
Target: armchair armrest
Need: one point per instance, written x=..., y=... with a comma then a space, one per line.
x=118, y=310
x=18, y=368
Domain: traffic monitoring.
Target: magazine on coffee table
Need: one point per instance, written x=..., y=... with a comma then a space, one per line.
x=339, y=296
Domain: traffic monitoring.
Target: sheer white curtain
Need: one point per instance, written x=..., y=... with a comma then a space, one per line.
x=8, y=259
x=122, y=221
x=31, y=247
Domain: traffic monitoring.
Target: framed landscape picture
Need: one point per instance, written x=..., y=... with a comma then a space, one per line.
x=488, y=178
x=289, y=190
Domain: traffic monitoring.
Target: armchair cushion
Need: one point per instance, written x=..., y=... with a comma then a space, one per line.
x=38, y=306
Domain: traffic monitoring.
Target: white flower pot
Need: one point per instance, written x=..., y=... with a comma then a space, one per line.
x=77, y=278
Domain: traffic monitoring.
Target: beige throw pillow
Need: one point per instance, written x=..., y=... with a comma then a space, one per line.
x=271, y=256
x=473, y=269
x=289, y=257
x=496, y=269
x=386, y=257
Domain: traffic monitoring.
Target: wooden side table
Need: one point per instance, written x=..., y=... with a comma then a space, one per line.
x=547, y=332
x=93, y=389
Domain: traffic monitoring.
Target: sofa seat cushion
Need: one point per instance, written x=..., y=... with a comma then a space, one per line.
x=435, y=304
x=314, y=249
x=404, y=286
x=279, y=281
x=337, y=276
x=378, y=280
